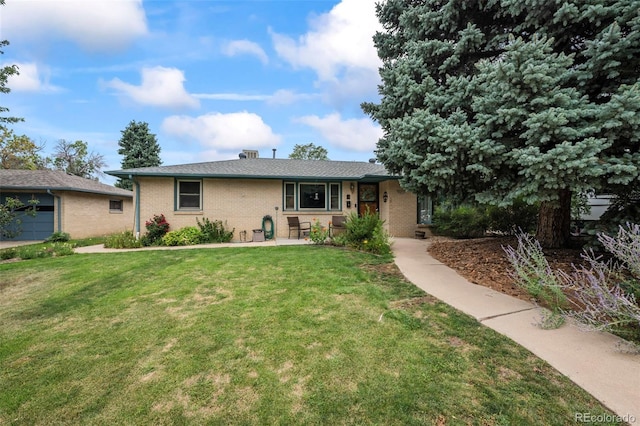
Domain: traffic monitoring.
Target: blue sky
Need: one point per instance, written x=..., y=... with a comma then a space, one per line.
x=210, y=77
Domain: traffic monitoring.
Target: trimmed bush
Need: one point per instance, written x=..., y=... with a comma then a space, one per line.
x=186, y=236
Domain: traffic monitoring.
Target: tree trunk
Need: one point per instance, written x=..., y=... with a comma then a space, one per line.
x=554, y=221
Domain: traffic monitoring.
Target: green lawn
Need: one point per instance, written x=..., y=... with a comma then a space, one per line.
x=273, y=335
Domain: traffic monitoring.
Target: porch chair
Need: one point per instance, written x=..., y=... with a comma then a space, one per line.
x=299, y=227
x=337, y=222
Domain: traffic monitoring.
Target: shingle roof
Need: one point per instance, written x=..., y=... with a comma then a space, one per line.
x=55, y=180
x=267, y=168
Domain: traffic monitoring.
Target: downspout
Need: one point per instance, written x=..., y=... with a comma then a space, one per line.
x=58, y=209
x=136, y=212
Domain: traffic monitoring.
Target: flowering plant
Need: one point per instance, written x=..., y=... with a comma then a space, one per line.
x=156, y=229
x=319, y=233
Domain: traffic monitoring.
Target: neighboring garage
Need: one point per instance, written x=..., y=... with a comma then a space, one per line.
x=80, y=207
x=40, y=226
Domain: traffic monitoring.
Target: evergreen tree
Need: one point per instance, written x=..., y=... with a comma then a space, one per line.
x=140, y=149
x=309, y=152
x=499, y=101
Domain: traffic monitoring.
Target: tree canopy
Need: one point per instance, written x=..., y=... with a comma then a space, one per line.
x=309, y=152
x=5, y=72
x=139, y=148
x=20, y=152
x=504, y=101
x=75, y=159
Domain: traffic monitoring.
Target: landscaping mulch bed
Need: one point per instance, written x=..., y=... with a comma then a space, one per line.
x=483, y=261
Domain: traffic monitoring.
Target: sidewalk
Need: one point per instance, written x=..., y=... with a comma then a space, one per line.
x=592, y=360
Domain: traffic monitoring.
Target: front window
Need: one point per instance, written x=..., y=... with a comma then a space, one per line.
x=313, y=196
x=189, y=195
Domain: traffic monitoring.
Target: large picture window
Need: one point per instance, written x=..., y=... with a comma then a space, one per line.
x=189, y=195
x=313, y=196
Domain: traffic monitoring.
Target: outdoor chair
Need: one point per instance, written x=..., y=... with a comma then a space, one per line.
x=299, y=227
x=337, y=222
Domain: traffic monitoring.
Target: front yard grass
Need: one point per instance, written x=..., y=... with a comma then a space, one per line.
x=274, y=335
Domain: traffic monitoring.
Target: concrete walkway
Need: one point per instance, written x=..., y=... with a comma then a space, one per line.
x=592, y=360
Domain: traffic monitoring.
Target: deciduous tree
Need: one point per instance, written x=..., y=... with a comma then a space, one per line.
x=5, y=72
x=499, y=101
x=75, y=159
x=309, y=152
x=19, y=152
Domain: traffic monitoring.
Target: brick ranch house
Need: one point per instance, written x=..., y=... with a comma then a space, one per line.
x=242, y=192
x=80, y=207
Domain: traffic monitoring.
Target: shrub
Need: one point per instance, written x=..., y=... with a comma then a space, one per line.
x=603, y=294
x=318, y=234
x=157, y=227
x=62, y=249
x=509, y=220
x=366, y=233
x=532, y=272
x=58, y=237
x=606, y=293
x=214, y=232
x=122, y=240
x=39, y=252
x=9, y=253
x=186, y=236
x=464, y=221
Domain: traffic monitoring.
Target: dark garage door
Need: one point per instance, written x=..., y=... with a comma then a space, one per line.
x=39, y=227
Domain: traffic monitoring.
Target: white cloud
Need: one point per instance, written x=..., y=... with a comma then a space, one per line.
x=239, y=47
x=338, y=42
x=95, y=25
x=32, y=78
x=279, y=97
x=351, y=134
x=162, y=87
x=287, y=97
x=231, y=97
x=223, y=132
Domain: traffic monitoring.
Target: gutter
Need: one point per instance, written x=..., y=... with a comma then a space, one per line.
x=58, y=209
x=136, y=211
